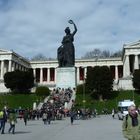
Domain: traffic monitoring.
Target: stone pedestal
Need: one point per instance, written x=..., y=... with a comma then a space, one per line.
x=66, y=77
x=125, y=84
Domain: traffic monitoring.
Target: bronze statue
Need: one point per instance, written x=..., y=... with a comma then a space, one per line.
x=66, y=52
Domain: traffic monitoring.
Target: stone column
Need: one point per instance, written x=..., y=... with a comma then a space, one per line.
x=48, y=75
x=55, y=75
x=2, y=69
x=10, y=66
x=126, y=67
x=41, y=75
x=116, y=73
x=34, y=73
x=78, y=75
x=85, y=72
x=13, y=66
x=19, y=67
x=22, y=68
x=16, y=66
x=136, y=63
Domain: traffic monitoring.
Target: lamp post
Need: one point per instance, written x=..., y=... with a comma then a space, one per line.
x=84, y=93
x=133, y=95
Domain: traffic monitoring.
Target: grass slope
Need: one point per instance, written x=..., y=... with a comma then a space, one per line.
x=18, y=100
x=108, y=103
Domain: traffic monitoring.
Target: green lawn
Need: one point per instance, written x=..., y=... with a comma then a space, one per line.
x=18, y=100
x=26, y=101
x=108, y=103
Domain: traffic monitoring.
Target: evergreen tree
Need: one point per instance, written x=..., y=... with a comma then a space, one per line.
x=99, y=81
x=136, y=79
x=19, y=81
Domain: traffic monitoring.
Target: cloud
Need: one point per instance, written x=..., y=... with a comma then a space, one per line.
x=31, y=27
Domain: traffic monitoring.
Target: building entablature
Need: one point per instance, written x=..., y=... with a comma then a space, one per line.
x=98, y=62
x=78, y=63
x=135, y=51
x=44, y=64
x=13, y=59
x=5, y=56
x=131, y=49
x=21, y=61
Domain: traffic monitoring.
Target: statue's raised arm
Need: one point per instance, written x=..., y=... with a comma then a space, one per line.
x=75, y=28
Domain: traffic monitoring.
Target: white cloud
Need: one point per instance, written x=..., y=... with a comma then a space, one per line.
x=30, y=27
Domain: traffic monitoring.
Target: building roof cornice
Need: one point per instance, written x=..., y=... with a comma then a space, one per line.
x=79, y=60
x=132, y=45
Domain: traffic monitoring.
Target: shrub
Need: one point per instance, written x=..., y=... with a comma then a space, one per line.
x=79, y=89
x=19, y=81
x=136, y=79
x=42, y=91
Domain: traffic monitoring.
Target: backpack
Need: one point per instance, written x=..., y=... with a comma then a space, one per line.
x=1, y=114
x=44, y=116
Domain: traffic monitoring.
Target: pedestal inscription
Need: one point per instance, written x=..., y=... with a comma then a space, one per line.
x=66, y=77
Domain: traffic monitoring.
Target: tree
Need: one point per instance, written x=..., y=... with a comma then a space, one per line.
x=99, y=81
x=96, y=53
x=41, y=57
x=38, y=57
x=105, y=54
x=19, y=81
x=79, y=89
x=136, y=79
x=42, y=91
x=117, y=54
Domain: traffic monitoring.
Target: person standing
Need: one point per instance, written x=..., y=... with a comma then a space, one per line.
x=3, y=119
x=12, y=121
x=1, y=122
x=25, y=116
x=131, y=124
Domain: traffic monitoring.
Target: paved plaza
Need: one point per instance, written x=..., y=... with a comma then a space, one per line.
x=100, y=128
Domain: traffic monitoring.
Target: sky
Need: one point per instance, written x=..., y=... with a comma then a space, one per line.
x=32, y=27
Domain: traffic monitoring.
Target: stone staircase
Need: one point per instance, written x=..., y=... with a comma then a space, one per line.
x=69, y=104
x=73, y=97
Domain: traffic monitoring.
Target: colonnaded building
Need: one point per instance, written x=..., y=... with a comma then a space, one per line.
x=45, y=71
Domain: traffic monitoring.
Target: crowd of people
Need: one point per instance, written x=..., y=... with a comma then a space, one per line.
x=57, y=103
x=53, y=109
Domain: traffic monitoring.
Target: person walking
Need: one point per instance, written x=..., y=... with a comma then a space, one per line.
x=113, y=113
x=12, y=121
x=44, y=117
x=25, y=116
x=131, y=124
x=3, y=120
x=72, y=115
x=49, y=116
